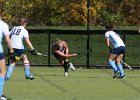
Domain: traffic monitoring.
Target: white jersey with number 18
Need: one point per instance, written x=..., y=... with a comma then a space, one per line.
x=17, y=35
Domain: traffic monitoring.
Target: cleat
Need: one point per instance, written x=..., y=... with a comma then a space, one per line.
x=4, y=98
x=116, y=74
x=71, y=67
x=122, y=77
x=30, y=77
x=65, y=74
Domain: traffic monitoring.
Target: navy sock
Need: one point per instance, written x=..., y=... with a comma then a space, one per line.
x=66, y=66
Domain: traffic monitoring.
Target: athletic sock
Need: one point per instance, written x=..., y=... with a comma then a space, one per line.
x=27, y=71
x=9, y=70
x=66, y=66
x=121, y=69
x=113, y=65
x=1, y=85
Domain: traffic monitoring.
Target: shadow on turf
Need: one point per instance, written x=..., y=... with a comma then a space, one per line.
x=126, y=83
x=71, y=76
x=17, y=80
x=51, y=75
x=53, y=84
x=132, y=86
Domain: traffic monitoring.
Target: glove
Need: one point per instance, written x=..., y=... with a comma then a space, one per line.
x=11, y=54
x=33, y=52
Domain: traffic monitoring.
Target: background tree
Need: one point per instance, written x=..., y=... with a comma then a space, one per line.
x=72, y=12
x=130, y=9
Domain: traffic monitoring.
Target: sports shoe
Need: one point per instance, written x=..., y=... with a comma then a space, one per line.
x=71, y=67
x=30, y=77
x=122, y=77
x=116, y=74
x=65, y=74
x=4, y=98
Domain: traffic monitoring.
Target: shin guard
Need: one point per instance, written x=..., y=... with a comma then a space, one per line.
x=66, y=66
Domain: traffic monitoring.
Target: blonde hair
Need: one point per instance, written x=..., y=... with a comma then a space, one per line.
x=60, y=42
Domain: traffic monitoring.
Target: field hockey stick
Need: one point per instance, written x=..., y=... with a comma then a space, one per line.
x=127, y=65
x=39, y=53
x=84, y=52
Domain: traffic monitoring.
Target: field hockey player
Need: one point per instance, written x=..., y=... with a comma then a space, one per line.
x=60, y=51
x=116, y=54
x=17, y=35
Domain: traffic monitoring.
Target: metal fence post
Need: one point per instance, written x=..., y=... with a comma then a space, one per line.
x=88, y=46
x=49, y=47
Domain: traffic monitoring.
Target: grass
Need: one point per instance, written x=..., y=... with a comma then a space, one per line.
x=83, y=84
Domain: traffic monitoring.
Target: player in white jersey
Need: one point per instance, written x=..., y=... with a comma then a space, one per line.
x=18, y=34
x=60, y=51
x=116, y=54
x=4, y=30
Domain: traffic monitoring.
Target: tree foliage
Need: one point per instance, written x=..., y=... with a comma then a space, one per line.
x=72, y=12
x=121, y=12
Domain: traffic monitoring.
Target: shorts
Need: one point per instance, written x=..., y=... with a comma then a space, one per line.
x=56, y=55
x=2, y=56
x=118, y=50
x=18, y=52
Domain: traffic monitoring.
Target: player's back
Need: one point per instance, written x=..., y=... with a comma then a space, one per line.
x=17, y=35
x=115, y=39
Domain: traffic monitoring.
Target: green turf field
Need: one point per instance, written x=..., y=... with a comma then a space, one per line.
x=83, y=84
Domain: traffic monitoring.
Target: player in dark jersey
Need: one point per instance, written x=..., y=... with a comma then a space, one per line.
x=60, y=51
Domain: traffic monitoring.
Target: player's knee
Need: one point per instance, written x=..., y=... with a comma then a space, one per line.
x=2, y=71
x=118, y=61
x=23, y=57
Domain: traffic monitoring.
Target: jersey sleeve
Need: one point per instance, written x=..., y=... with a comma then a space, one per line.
x=6, y=29
x=106, y=34
x=26, y=34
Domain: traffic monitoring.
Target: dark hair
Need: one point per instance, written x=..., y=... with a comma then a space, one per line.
x=23, y=20
x=109, y=27
x=1, y=9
